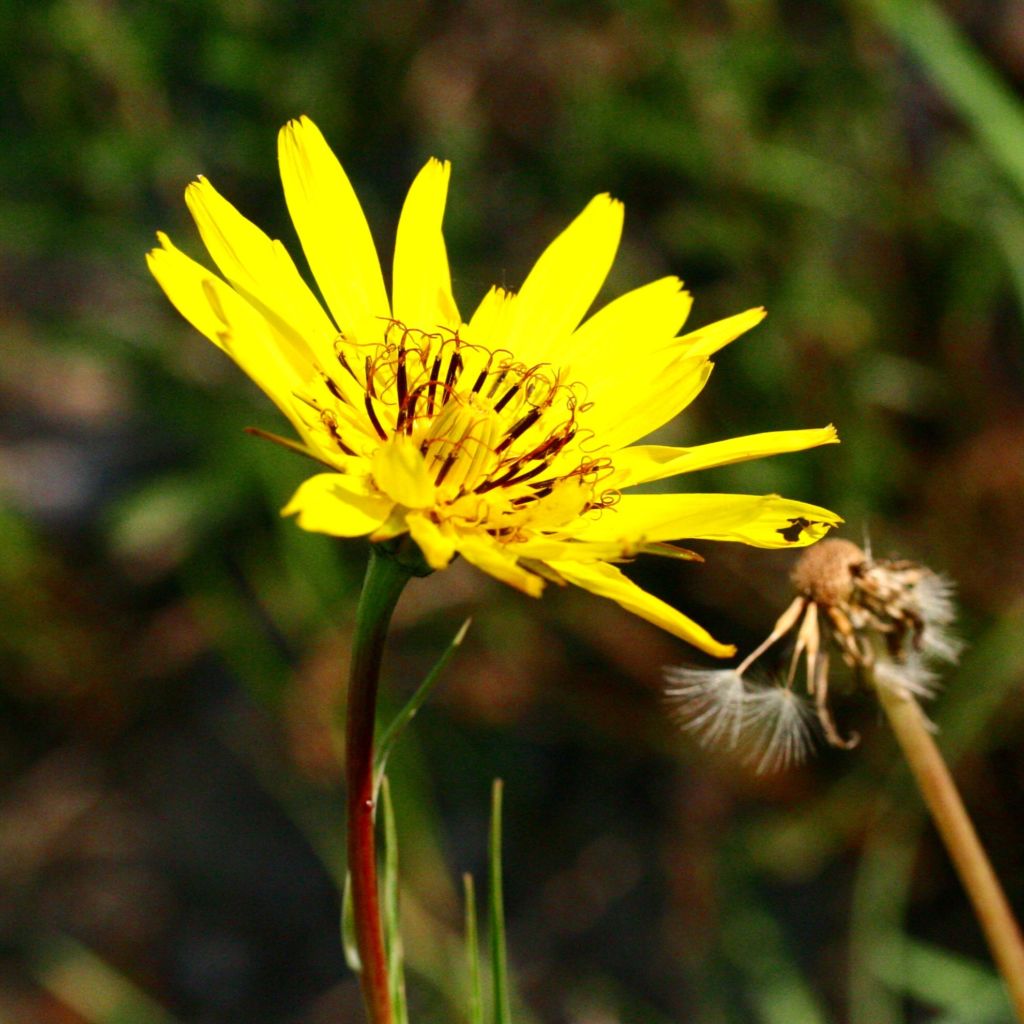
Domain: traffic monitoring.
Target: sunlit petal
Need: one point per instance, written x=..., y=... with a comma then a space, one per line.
x=644, y=463
x=342, y=506
x=261, y=270
x=489, y=557
x=764, y=521
x=331, y=226
x=438, y=546
x=400, y=472
x=565, y=281
x=607, y=581
x=422, y=283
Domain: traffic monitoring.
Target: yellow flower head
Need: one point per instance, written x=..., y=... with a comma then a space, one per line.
x=507, y=438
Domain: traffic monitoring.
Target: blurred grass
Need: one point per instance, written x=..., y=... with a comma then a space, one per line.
x=854, y=166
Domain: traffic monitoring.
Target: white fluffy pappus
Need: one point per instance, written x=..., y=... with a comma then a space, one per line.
x=770, y=725
x=909, y=675
x=780, y=726
x=708, y=703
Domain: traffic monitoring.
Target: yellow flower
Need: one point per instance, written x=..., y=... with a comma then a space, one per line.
x=507, y=438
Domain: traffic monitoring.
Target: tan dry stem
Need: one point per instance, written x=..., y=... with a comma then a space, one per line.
x=957, y=831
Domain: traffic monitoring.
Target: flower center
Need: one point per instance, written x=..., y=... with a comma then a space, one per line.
x=485, y=424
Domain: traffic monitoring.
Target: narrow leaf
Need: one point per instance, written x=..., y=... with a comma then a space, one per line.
x=499, y=954
x=392, y=930
x=415, y=702
x=476, y=996
x=957, y=67
x=348, y=928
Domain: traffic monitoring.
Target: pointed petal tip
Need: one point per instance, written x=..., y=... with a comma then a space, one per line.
x=292, y=130
x=161, y=247
x=609, y=199
x=195, y=188
x=615, y=208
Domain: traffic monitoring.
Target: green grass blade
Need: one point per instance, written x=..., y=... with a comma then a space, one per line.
x=778, y=992
x=392, y=929
x=348, y=928
x=96, y=991
x=476, y=996
x=499, y=954
x=961, y=988
x=970, y=85
x=394, y=729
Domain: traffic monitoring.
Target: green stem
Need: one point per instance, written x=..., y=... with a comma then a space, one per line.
x=385, y=578
x=954, y=825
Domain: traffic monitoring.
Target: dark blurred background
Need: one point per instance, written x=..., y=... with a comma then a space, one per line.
x=171, y=649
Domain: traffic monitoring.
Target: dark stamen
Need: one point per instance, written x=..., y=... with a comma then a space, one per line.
x=496, y=383
x=510, y=478
x=519, y=429
x=479, y=382
x=434, y=371
x=454, y=368
x=328, y=420
x=381, y=433
x=332, y=386
x=506, y=398
x=343, y=362
x=446, y=466
x=401, y=383
x=407, y=416
x=528, y=475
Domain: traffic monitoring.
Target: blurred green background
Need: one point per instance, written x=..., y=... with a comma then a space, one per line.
x=171, y=650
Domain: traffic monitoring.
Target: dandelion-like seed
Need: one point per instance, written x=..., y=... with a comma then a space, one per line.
x=508, y=438
x=713, y=704
x=779, y=723
x=890, y=621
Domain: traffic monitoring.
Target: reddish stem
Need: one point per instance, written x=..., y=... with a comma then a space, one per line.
x=385, y=578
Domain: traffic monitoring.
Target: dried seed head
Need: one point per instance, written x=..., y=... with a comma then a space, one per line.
x=827, y=571
x=890, y=620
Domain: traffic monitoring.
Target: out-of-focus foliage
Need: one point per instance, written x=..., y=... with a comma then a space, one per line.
x=171, y=652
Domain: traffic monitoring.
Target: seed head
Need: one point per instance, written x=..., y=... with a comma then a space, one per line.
x=890, y=620
x=827, y=572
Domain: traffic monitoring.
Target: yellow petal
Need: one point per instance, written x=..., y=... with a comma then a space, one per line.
x=708, y=340
x=492, y=320
x=183, y=280
x=764, y=521
x=220, y=313
x=497, y=563
x=421, y=289
x=625, y=331
x=340, y=505
x=645, y=399
x=331, y=226
x=607, y=581
x=262, y=271
x=648, y=392
x=643, y=463
x=400, y=471
x=438, y=546
x=543, y=547
x=565, y=281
